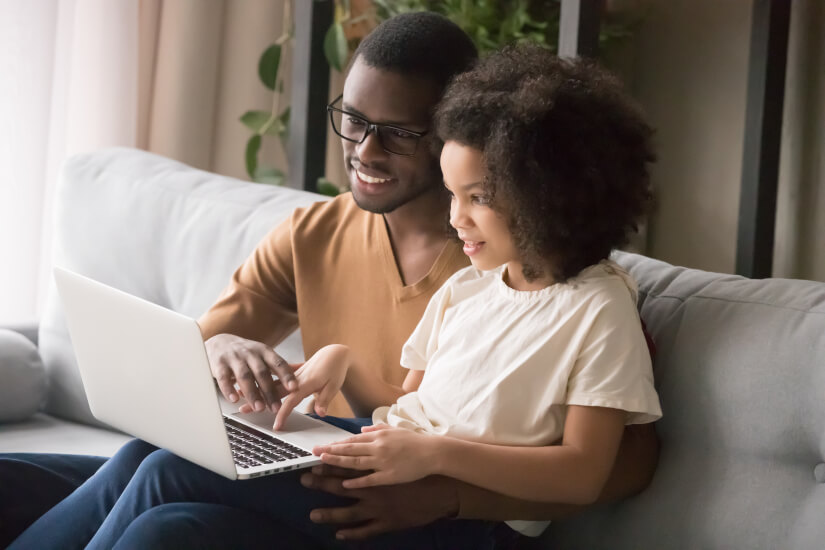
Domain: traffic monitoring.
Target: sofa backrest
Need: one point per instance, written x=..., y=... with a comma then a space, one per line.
x=740, y=370
x=740, y=363
x=157, y=229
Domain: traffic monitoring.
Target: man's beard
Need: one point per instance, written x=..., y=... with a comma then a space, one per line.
x=434, y=181
x=363, y=204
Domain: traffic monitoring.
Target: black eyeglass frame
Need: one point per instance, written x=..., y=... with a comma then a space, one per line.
x=371, y=126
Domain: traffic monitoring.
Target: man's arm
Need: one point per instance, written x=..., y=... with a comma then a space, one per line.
x=254, y=312
x=632, y=472
x=391, y=508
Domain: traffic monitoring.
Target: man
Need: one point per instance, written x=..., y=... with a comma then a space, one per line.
x=359, y=270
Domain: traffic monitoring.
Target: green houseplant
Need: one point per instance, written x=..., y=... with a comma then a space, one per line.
x=490, y=23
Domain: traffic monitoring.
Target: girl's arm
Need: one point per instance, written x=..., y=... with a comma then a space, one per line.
x=574, y=472
x=365, y=391
x=332, y=369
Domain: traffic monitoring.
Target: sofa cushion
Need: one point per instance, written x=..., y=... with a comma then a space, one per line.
x=24, y=378
x=740, y=373
x=155, y=228
x=46, y=434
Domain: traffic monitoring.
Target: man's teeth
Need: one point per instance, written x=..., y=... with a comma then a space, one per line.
x=370, y=179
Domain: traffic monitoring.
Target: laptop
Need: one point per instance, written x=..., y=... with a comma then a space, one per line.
x=145, y=372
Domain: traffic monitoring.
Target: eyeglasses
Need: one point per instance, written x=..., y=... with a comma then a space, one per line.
x=355, y=128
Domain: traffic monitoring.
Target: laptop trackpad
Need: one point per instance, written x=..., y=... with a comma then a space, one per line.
x=265, y=419
x=299, y=429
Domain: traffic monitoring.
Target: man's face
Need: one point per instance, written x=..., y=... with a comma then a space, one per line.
x=382, y=181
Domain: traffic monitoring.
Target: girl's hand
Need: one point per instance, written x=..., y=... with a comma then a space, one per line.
x=322, y=376
x=396, y=455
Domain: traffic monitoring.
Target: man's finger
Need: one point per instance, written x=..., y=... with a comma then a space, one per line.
x=365, y=531
x=226, y=383
x=246, y=381
x=281, y=368
x=341, y=516
x=334, y=471
x=331, y=485
x=263, y=378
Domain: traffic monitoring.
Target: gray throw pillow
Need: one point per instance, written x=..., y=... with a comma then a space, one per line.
x=22, y=377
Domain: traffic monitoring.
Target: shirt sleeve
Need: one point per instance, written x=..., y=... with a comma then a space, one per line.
x=613, y=368
x=423, y=342
x=260, y=301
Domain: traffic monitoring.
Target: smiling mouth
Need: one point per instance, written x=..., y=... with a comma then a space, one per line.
x=369, y=179
x=472, y=247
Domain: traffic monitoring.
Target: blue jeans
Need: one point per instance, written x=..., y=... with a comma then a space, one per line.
x=32, y=483
x=146, y=497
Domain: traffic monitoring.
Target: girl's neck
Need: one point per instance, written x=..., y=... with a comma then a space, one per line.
x=514, y=278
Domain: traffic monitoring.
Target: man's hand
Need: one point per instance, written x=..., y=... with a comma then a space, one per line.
x=251, y=365
x=381, y=509
x=395, y=455
x=321, y=376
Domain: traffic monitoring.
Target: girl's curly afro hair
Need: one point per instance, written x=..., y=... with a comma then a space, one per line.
x=566, y=153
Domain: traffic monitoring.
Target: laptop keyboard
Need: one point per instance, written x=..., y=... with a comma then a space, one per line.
x=253, y=448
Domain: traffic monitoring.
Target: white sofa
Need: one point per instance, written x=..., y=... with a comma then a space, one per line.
x=152, y=227
x=740, y=366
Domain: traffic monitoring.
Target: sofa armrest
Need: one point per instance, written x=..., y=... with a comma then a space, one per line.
x=23, y=376
x=29, y=331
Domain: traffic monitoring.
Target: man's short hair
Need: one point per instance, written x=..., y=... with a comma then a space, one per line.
x=420, y=43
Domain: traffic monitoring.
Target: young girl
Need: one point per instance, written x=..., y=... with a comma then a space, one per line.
x=526, y=366
x=539, y=341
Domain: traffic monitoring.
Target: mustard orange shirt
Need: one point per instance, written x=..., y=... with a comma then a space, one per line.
x=330, y=269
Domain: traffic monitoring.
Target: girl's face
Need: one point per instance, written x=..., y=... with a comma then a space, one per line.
x=487, y=239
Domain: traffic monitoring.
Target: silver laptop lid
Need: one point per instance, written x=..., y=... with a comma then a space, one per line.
x=145, y=371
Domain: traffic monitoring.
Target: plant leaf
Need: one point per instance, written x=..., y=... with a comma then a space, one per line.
x=254, y=120
x=268, y=65
x=252, y=148
x=335, y=47
x=269, y=175
x=281, y=125
x=326, y=187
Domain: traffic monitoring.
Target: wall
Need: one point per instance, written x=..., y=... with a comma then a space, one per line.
x=689, y=71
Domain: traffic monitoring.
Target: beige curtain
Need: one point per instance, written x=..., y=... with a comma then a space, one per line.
x=198, y=67
x=69, y=85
